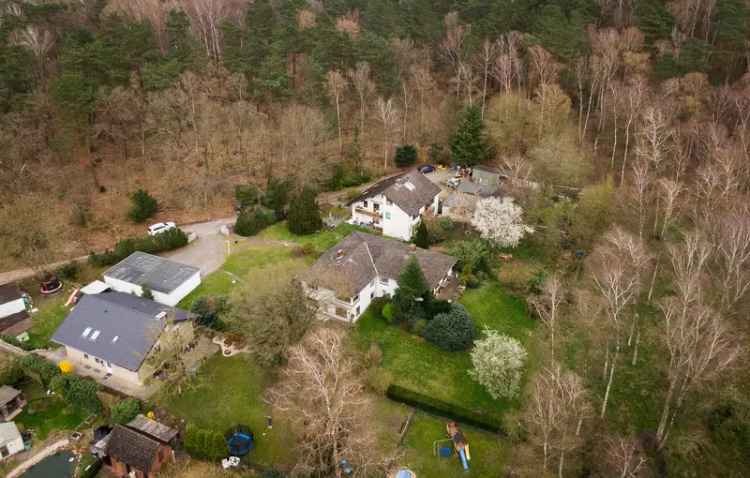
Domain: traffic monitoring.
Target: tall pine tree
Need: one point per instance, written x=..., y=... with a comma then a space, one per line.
x=304, y=213
x=468, y=144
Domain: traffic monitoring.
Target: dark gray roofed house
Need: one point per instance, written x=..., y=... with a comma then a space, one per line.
x=115, y=331
x=396, y=204
x=169, y=281
x=363, y=266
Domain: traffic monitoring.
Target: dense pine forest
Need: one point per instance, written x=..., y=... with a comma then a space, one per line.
x=622, y=125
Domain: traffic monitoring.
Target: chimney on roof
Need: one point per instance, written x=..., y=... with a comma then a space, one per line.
x=339, y=254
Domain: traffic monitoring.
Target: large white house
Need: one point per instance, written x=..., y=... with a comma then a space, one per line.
x=169, y=281
x=362, y=267
x=395, y=205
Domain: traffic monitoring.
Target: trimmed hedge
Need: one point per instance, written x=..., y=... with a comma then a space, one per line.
x=444, y=409
x=166, y=241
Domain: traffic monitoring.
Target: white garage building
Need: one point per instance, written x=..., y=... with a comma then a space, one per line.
x=10, y=440
x=169, y=281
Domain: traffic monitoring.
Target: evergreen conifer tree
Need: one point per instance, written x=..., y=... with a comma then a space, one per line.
x=468, y=144
x=304, y=213
x=422, y=236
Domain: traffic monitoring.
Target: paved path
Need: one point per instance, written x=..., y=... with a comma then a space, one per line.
x=44, y=453
x=205, y=252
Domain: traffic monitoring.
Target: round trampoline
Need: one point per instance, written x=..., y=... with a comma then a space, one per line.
x=240, y=440
x=405, y=473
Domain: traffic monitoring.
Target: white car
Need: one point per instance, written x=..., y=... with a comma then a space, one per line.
x=160, y=227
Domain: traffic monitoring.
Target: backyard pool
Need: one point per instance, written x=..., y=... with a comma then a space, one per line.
x=58, y=465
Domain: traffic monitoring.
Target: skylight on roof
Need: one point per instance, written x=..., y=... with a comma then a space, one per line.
x=95, y=335
x=409, y=186
x=115, y=339
x=86, y=332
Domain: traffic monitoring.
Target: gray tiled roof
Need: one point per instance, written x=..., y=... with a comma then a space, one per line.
x=153, y=429
x=470, y=187
x=355, y=261
x=127, y=326
x=8, y=433
x=154, y=272
x=410, y=191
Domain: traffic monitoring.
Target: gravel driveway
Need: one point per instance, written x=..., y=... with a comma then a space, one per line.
x=208, y=250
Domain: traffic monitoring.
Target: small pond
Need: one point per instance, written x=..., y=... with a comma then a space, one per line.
x=54, y=466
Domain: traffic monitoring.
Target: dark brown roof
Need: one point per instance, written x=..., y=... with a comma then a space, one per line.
x=352, y=263
x=153, y=429
x=132, y=448
x=410, y=191
x=7, y=394
x=14, y=324
x=9, y=293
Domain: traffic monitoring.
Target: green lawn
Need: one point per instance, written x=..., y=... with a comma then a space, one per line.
x=261, y=268
x=321, y=241
x=228, y=392
x=45, y=414
x=52, y=312
x=416, y=364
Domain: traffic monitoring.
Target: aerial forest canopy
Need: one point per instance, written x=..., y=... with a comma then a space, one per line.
x=622, y=127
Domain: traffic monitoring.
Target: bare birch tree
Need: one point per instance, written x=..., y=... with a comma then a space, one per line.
x=337, y=83
x=453, y=47
x=547, y=305
x=388, y=115
x=424, y=82
x=365, y=87
x=625, y=457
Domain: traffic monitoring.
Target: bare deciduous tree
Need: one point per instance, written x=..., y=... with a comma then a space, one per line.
x=558, y=408
x=337, y=83
x=547, y=305
x=508, y=67
x=453, y=47
x=364, y=86
x=669, y=192
x=424, y=82
x=626, y=457
x=388, y=115
x=322, y=388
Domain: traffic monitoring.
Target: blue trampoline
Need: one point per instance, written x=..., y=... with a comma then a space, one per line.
x=240, y=441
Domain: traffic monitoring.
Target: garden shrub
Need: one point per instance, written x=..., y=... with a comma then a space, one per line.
x=251, y=221
x=245, y=196
x=147, y=293
x=422, y=236
x=498, y=362
x=474, y=256
x=11, y=374
x=304, y=213
x=205, y=444
x=68, y=271
x=276, y=197
x=452, y=331
x=38, y=368
x=125, y=410
x=406, y=155
x=346, y=177
x=208, y=311
x=166, y=241
x=143, y=206
x=451, y=411
x=78, y=392
x=419, y=326
x=12, y=340
x=388, y=312
x=378, y=304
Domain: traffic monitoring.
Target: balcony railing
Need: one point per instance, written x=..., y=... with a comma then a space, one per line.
x=368, y=213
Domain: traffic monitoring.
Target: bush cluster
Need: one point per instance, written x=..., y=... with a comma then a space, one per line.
x=205, y=444
x=452, y=331
x=166, y=241
x=343, y=178
x=208, y=311
x=253, y=220
x=77, y=391
x=406, y=155
x=448, y=410
x=125, y=410
x=38, y=368
x=10, y=339
x=142, y=206
x=304, y=213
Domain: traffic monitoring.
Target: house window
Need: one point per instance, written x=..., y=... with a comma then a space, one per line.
x=372, y=294
x=86, y=356
x=364, y=204
x=387, y=215
x=356, y=311
x=376, y=207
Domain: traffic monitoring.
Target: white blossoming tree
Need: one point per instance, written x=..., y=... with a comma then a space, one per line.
x=498, y=364
x=500, y=220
